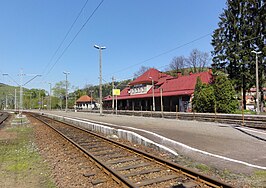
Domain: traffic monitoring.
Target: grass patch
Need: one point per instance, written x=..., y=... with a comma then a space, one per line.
x=20, y=121
x=225, y=173
x=20, y=162
x=259, y=178
x=249, y=112
x=203, y=167
x=260, y=175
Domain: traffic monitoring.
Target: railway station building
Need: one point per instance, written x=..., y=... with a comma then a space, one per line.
x=170, y=93
x=85, y=102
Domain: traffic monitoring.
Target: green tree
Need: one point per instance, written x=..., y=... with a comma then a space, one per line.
x=196, y=99
x=204, y=98
x=59, y=91
x=225, y=95
x=241, y=29
x=33, y=98
x=220, y=95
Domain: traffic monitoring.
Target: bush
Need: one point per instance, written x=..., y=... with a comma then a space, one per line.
x=220, y=95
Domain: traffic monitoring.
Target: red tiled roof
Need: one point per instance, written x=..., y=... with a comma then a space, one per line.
x=84, y=98
x=183, y=85
x=148, y=76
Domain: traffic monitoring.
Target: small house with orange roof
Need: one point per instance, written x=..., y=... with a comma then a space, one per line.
x=175, y=93
x=85, y=102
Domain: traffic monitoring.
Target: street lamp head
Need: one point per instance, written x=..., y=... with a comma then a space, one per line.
x=66, y=72
x=5, y=74
x=99, y=47
x=96, y=46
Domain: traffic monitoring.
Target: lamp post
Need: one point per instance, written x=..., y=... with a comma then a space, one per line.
x=257, y=81
x=91, y=91
x=30, y=99
x=153, y=100
x=75, y=104
x=15, y=102
x=50, y=98
x=100, y=48
x=66, y=73
x=6, y=102
x=113, y=86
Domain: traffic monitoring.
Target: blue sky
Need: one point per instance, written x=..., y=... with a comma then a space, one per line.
x=132, y=31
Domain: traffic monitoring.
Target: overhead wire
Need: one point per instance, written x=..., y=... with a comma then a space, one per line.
x=82, y=27
x=168, y=51
x=163, y=53
x=66, y=35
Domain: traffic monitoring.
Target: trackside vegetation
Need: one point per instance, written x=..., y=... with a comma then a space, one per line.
x=219, y=96
x=21, y=164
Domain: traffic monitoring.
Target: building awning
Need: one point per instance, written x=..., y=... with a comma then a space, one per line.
x=156, y=94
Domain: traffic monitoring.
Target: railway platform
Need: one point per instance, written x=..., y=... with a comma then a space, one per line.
x=228, y=147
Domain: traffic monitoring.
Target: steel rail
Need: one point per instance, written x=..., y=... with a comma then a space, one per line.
x=180, y=169
x=115, y=175
x=3, y=117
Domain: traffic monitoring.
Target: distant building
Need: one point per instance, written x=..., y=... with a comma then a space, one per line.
x=85, y=102
x=177, y=92
x=251, y=98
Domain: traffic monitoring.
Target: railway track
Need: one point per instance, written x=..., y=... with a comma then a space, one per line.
x=3, y=117
x=129, y=166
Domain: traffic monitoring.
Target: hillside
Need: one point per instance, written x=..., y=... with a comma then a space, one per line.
x=7, y=94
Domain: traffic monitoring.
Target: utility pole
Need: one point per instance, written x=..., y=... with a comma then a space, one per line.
x=116, y=104
x=153, y=100
x=257, y=81
x=66, y=73
x=75, y=104
x=161, y=92
x=42, y=103
x=30, y=99
x=50, y=97
x=21, y=93
x=91, y=91
x=39, y=100
x=15, y=99
x=100, y=48
x=6, y=101
x=61, y=102
x=113, y=86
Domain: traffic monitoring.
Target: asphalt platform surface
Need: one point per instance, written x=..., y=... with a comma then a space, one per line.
x=223, y=146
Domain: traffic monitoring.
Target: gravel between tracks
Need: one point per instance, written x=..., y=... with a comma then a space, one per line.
x=68, y=164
